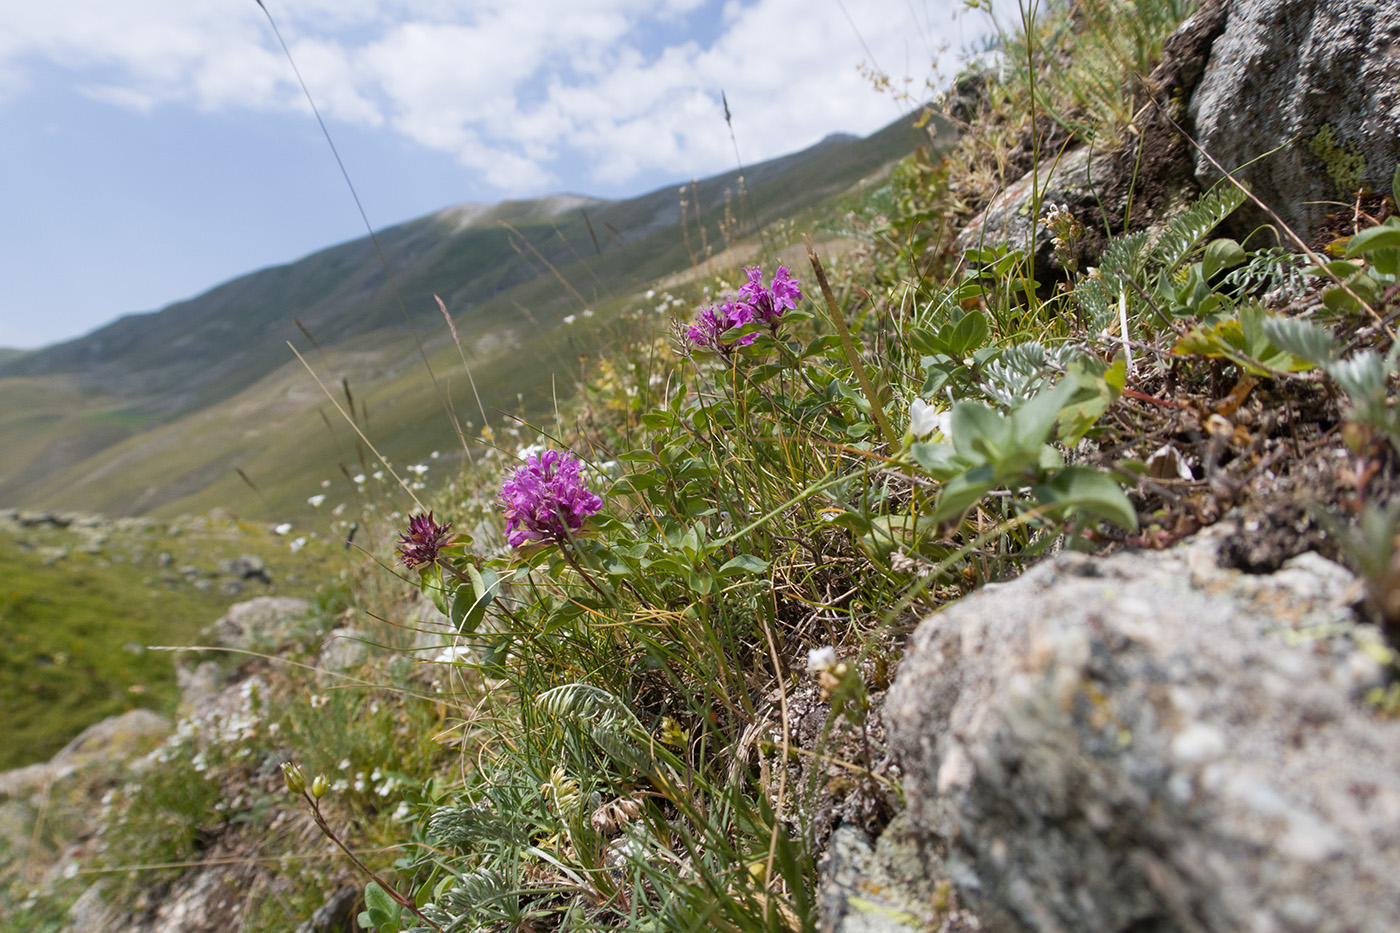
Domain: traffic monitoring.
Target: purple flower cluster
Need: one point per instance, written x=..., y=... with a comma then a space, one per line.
x=769, y=303
x=754, y=303
x=545, y=499
x=712, y=322
x=424, y=540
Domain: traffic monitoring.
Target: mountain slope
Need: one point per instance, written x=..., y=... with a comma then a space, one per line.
x=155, y=408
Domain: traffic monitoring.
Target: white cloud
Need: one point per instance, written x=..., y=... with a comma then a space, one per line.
x=519, y=90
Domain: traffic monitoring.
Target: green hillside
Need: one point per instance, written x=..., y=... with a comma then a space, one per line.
x=155, y=412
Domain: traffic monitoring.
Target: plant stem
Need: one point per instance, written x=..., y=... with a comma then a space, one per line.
x=386, y=886
x=848, y=345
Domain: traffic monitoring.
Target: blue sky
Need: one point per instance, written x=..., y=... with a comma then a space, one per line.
x=154, y=148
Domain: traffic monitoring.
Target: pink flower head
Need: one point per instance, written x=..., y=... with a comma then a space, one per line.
x=545, y=499
x=423, y=541
x=712, y=322
x=770, y=303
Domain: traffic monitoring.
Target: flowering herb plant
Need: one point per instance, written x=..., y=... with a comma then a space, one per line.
x=754, y=303
x=546, y=500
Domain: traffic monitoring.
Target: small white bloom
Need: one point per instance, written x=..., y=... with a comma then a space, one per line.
x=570, y=318
x=359, y=479
x=282, y=528
x=821, y=659
x=924, y=419
x=316, y=501
x=298, y=544
x=417, y=469
x=325, y=484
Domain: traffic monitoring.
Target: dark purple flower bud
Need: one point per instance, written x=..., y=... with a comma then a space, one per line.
x=545, y=499
x=423, y=541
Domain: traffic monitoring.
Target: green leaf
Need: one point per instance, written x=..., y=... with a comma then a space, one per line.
x=1092, y=492
x=1384, y=236
x=968, y=333
x=1339, y=301
x=1098, y=387
x=1034, y=420
x=430, y=582
x=469, y=605
x=962, y=492
x=1223, y=253
x=938, y=460
x=1301, y=338
x=382, y=909
x=744, y=563
x=979, y=432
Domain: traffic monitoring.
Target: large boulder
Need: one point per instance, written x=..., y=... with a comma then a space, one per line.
x=1316, y=80
x=1149, y=741
x=260, y=623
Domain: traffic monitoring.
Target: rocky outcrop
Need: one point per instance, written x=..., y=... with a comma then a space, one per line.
x=1151, y=742
x=1311, y=90
x=115, y=738
x=262, y=623
x=1149, y=178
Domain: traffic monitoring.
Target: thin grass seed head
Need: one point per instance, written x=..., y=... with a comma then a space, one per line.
x=424, y=541
x=545, y=499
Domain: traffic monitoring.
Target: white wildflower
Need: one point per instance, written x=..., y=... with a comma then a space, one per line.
x=821, y=659
x=924, y=419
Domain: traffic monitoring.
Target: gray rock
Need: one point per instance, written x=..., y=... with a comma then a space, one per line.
x=1320, y=82
x=897, y=885
x=246, y=567
x=198, y=683
x=1148, y=741
x=343, y=649
x=90, y=913
x=265, y=621
x=1073, y=180
x=337, y=915
x=39, y=517
x=115, y=738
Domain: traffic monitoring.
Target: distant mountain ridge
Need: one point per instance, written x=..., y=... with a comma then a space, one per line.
x=66, y=406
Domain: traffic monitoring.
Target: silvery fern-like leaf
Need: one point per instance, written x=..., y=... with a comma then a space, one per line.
x=1097, y=295
x=1361, y=376
x=455, y=826
x=1301, y=338
x=1267, y=270
x=1186, y=231
x=1022, y=371
x=604, y=717
x=475, y=895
